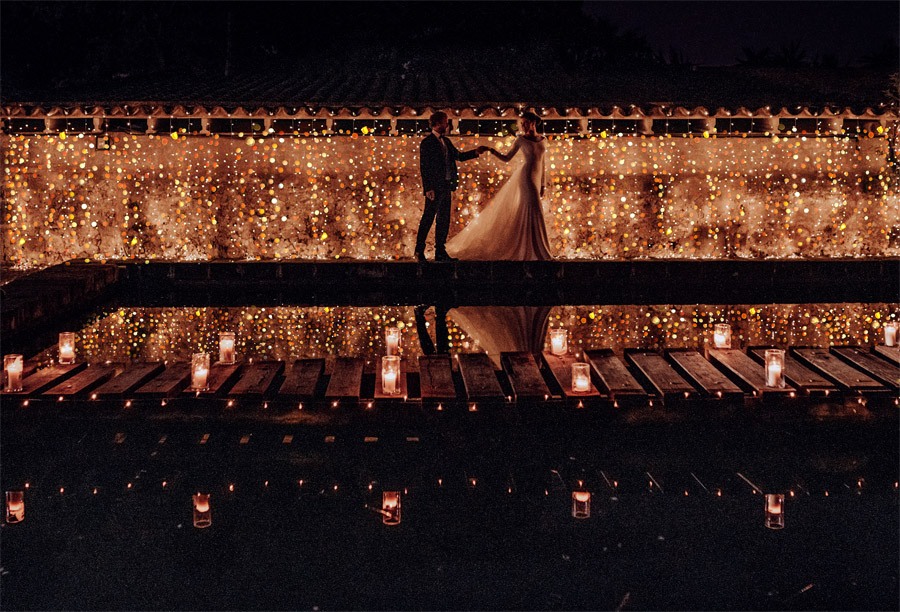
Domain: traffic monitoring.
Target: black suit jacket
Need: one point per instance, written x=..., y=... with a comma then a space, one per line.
x=431, y=164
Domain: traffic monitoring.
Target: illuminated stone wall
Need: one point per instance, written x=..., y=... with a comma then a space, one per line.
x=198, y=198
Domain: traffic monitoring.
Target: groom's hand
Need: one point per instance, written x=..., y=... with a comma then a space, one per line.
x=430, y=194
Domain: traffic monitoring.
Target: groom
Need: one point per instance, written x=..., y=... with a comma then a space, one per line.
x=437, y=162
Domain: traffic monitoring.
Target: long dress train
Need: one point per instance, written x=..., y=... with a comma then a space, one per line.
x=511, y=226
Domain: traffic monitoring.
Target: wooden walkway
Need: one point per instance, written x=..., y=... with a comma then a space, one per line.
x=674, y=381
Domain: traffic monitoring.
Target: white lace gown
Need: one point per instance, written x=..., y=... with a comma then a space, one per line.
x=511, y=227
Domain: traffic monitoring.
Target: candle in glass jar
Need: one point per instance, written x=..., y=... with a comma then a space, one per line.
x=13, y=365
x=392, y=340
x=774, y=510
x=202, y=513
x=558, y=341
x=15, y=506
x=390, y=506
x=581, y=378
x=890, y=334
x=199, y=371
x=581, y=504
x=390, y=374
x=226, y=347
x=722, y=336
x=775, y=368
x=66, y=348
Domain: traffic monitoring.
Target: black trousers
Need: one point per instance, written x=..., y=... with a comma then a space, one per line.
x=438, y=207
x=441, y=333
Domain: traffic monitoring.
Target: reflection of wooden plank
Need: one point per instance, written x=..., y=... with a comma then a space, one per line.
x=401, y=383
x=891, y=353
x=47, y=377
x=561, y=368
x=173, y=379
x=346, y=379
x=479, y=377
x=874, y=366
x=133, y=377
x=257, y=379
x=748, y=371
x=798, y=375
x=706, y=375
x=302, y=380
x=220, y=376
x=842, y=373
x=615, y=377
x=524, y=376
x=668, y=384
x=436, y=377
x=84, y=381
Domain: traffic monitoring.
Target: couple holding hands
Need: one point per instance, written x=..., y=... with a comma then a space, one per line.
x=511, y=226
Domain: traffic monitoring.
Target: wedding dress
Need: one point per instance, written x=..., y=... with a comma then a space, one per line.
x=504, y=328
x=511, y=226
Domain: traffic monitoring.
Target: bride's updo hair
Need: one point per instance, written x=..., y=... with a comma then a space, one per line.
x=529, y=116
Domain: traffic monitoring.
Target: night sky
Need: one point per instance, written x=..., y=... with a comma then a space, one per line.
x=52, y=44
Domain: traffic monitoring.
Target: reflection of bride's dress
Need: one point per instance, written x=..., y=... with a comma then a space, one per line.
x=504, y=328
x=511, y=226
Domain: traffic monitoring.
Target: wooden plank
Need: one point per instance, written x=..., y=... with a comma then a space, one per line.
x=45, y=378
x=479, y=378
x=667, y=382
x=748, y=371
x=891, y=353
x=169, y=383
x=798, y=375
x=257, y=379
x=89, y=378
x=346, y=379
x=874, y=366
x=220, y=376
x=837, y=370
x=401, y=383
x=128, y=381
x=524, y=376
x=707, y=376
x=561, y=368
x=436, y=377
x=615, y=377
x=302, y=380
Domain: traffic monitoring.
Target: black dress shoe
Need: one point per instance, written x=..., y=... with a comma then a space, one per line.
x=444, y=257
x=420, y=257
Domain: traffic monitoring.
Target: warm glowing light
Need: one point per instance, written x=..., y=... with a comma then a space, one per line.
x=722, y=336
x=67, y=348
x=226, y=347
x=559, y=341
x=390, y=375
x=581, y=504
x=392, y=341
x=200, y=372
x=775, y=368
x=890, y=333
x=13, y=366
x=390, y=507
x=202, y=511
x=581, y=378
x=15, y=507
x=775, y=511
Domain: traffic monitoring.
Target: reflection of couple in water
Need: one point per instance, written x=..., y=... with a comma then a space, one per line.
x=495, y=329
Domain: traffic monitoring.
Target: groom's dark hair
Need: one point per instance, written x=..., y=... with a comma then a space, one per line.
x=529, y=116
x=436, y=118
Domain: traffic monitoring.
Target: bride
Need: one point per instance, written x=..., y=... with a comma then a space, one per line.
x=511, y=227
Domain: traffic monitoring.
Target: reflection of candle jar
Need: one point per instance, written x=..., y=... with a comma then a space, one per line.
x=200, y=371
x=392, y=340
x=202, y=511
x=559, y=341
x=775, y=511
x=226, y=347
x=390, y=374
x=15, y=506
x=390, y=506
x=67, y=348
x=890, y=334
x=581, y=504
x=581, y=378
x=775, y=368
x=722, y=336
x=12, y=365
